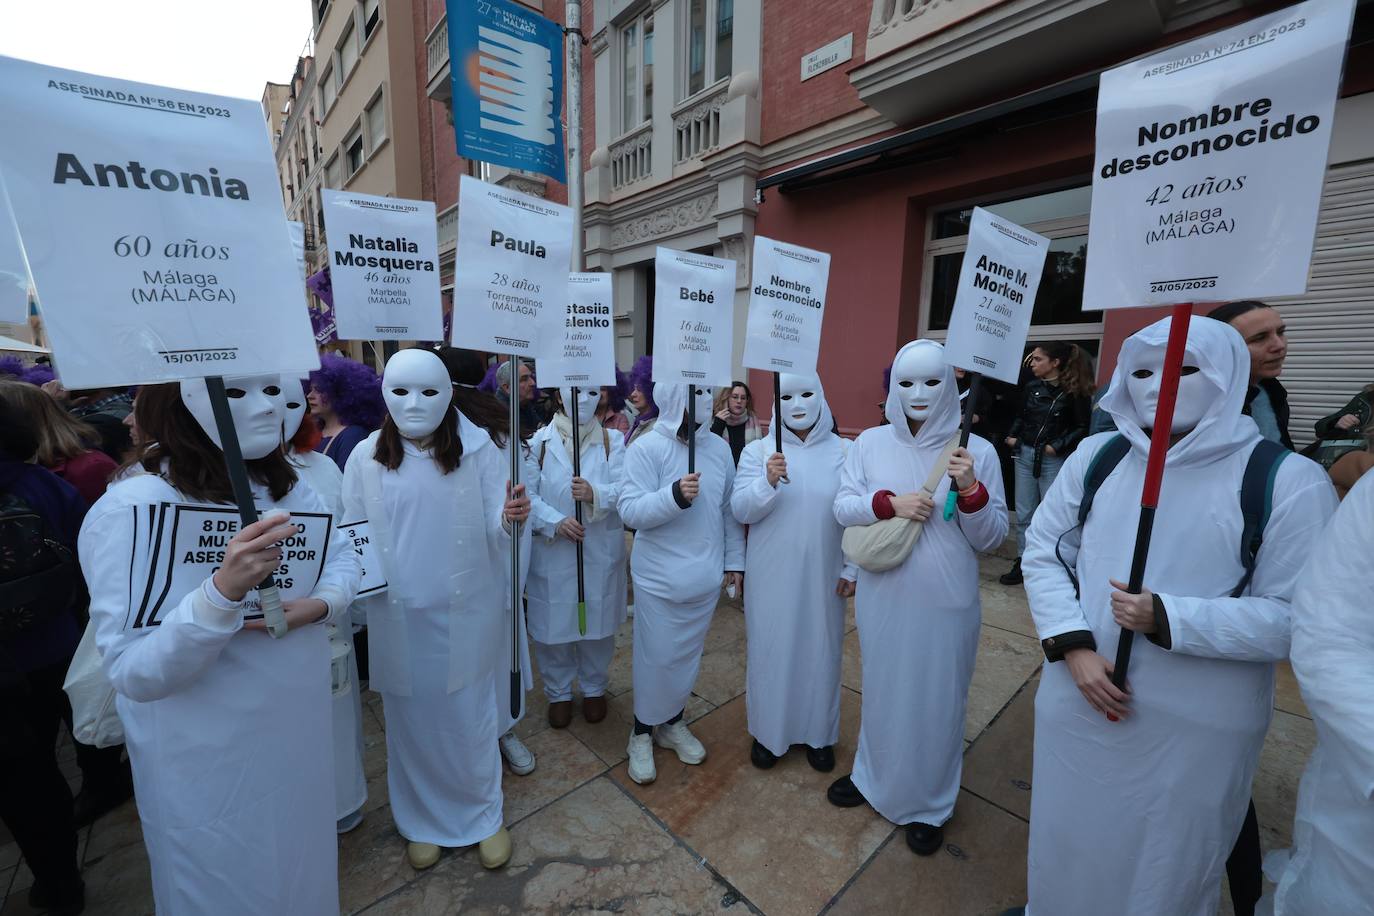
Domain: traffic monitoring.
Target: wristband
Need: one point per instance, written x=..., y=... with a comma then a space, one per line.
x=969, y=490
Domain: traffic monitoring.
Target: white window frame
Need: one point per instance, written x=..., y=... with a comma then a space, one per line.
x=350, y=33
x=708, y=73
x=327, y=100
x=335, y=162
x=371, y=143
x=637, y=24
x=1058, y=228
x=354, y=133
x=362, y=21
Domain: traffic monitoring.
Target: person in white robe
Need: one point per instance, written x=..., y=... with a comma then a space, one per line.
x=795, y=579
x=1330, y=869
x=564, y=652
x=321, y=474
x=1136, y=813
x=919, y=622
x=439, y=502
x=227, y=728
x=686, y=539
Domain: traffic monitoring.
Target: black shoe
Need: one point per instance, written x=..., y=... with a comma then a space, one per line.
x=64, y=900
x=1012, y=576
x=924, y=839
x=95, y=802
x=822, y=759
x=761, y=756
x=844, y=794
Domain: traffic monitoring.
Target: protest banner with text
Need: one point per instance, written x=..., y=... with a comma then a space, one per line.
x=583, y=355
x=694, y=316
x=786, y=307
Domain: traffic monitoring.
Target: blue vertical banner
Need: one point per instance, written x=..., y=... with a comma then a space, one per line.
x=506, y=65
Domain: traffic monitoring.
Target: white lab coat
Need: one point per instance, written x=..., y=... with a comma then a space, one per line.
x=436, y=635
x=918, y=623
x=1139, y=816
x=552, y=587
x=679, y=557
x=228, y=730
x=793, y=561
x=323, y=476
x=1331, y=868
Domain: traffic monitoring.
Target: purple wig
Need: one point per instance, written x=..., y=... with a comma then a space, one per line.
x=642, y=379
x=38, y=375
x=616, y=394
x=12, y=366
x=887, y=380
x=354, y=391
x=488, y=383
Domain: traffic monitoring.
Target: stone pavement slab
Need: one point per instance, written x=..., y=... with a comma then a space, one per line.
x=997, y=767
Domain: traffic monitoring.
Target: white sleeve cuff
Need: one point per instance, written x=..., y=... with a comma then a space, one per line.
x=210, y=609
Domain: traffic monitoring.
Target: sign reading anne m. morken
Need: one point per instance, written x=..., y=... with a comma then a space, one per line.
x=152, y=222
x=1210, y=161
x=384, y=267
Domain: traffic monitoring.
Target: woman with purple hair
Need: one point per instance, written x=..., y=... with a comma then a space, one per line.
x=346, y=400
x=641, y=397
x=611, y=408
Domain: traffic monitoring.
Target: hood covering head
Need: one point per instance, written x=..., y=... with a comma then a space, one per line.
x=797, y=386
x=1223, y=364
x=671, y=398
x=918, y=362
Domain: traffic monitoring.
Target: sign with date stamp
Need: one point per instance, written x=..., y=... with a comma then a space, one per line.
x=152, y=222
x=1210, y=160
x=384, y=267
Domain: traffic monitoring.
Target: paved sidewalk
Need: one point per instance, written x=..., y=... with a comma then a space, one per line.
x=719, y=837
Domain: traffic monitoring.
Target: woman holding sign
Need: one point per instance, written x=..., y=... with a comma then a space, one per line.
x=434, y=487
x=918, y=621
x=686, y=538
x=796, y=580
x=227, y=729
x=564, y=653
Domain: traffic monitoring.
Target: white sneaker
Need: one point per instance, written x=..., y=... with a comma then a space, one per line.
x=675, y=736
x=641, y=751
x=519, y=757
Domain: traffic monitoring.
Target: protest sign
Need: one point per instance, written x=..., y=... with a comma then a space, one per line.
x=507, y=75
x=786, y=307
x=995, y=296
x=297, y=230
x=374, y=576
x=187, y=544
x=694, y=316
x=383, y=267
x=1210, y=161
x=511, y=273
x=14, y=273
x=583, y=354
x=152, y=221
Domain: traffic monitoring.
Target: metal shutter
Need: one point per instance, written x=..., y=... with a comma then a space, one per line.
x=1331, y=326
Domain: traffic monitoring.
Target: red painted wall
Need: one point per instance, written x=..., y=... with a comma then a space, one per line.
x=791, y=31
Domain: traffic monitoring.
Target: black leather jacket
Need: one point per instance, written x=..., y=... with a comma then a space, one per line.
x=1051, y=416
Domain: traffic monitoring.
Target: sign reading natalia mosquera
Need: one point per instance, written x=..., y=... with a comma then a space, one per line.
x=694, y=317
x=786, y=307
x=583, y=355
x=384, y=267
x=995, y=296
x=153, y=225
x=511, y=272
x=1210, y=161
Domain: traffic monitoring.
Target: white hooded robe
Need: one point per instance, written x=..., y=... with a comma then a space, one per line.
x=793, y=561
x=1331, y=869
x=918, y=623
x=438, y=643
x=1137, y=817
x=228, y=730
x=680, y=555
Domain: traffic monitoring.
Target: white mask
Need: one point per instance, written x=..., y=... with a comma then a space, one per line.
x=587, y=399
x=801, y=401
x=418, y=392
x=1195, y=393
x=293, y=393
x=705, y=398
x=918, y=377
x=256, y=403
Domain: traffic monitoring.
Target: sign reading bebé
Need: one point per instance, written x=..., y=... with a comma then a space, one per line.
x=153, y=226
x=383, y=267
x=995, y=296
x=786, y=307
x=511, y=271
x=694, y=317
x=583, y=355
x=1210, y=162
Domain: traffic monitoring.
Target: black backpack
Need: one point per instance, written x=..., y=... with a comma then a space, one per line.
x=39, y=576
x=1256, y=499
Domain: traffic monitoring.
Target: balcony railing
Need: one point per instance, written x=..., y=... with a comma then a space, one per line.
x=632, y=157
x=894, y=23
x=436, y=48
x=696, y=126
